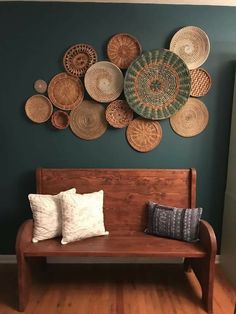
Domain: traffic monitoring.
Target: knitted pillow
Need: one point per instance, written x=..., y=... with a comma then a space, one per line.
x=82, y=216
x=46, y=211
x=173, y=222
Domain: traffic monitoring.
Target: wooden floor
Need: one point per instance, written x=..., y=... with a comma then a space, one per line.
x=114, y=289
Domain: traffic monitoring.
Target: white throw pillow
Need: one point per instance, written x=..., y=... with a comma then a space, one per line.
x=82, y=216
x=46, y=211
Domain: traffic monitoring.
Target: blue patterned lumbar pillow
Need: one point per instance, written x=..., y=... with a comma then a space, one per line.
x=173, y=222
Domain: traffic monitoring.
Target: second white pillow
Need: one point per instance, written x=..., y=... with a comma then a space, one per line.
x=82, y=216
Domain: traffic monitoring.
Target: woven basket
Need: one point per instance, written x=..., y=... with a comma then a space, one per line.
x=65, y=91
x=40, y=86
x=123, y=49
x=157, y=84
x=88, y=121
x=119, y=114
x=104, y=81
x=144, y=135
x=38, y=108
x=200, y=82
x=192, y=45
x=60, y=119
x=192, y=119
x=79, y=58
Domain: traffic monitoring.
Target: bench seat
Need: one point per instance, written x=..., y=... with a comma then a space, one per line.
x=133, y=244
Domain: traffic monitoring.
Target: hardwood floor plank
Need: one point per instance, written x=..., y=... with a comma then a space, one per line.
x=114, y=289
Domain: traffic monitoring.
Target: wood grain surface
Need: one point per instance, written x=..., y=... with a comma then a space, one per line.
x=114, y=289
x=126, y=194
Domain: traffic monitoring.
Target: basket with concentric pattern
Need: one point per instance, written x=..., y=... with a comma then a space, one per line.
x=157, y=84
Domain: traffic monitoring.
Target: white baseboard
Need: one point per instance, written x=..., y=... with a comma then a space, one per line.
x=11, y=259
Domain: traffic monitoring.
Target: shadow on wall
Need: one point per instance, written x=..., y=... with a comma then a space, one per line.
x=224, y=77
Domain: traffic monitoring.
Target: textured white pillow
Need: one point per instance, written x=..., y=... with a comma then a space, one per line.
x=46, y=211
x=82, y=216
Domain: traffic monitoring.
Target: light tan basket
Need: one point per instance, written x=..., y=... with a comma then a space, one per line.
x=104, y=81
x=38, y=108
x=88, y=121
x=192, y=118
x=192, y=45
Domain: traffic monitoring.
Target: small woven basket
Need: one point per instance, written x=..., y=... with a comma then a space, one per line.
x=119, y=114
x=40, y=86
x=200, y=82
x=60, y=119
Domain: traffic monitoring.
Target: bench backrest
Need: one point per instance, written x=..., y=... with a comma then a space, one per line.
x=126, y=191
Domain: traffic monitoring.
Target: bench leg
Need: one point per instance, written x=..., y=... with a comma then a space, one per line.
x=204, y=269
x=24, y=279
x=187, y=265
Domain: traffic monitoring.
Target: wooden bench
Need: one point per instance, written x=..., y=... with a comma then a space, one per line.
x=126, y=192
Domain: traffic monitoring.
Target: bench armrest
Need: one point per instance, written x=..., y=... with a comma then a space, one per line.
x=24, y=237
x=208, y=238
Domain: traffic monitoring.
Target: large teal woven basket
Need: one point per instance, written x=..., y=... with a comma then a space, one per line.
x=157, y=84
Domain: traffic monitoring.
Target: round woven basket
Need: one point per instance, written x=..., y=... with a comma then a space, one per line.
x=119, y=114
x=122, y=49
x=104, y=81
x=144, y=135
x=79, y=58
x=192, y=119
x=38, y=108
x=88, y=121
x=157, y=84
x=65, y=91
x=200, y=82
x=40, y=86
x=60, y=119
x=192, y=44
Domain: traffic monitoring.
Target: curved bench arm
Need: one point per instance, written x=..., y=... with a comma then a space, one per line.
x=204, y=268
x=208, y=238
x=24, y=237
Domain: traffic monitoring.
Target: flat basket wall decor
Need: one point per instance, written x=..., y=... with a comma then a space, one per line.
x=157, y=84
x=192, y=119
x=144, y=135
x=88, y=120
x=201, y=82
x=132, y=90
x=79, y=58
x=65, y=91
x=119, y=114
x=192, y=44
x=104, y=81
x=122, y=49
x=38, y=108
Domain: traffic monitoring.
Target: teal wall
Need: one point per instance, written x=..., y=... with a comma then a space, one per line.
x=33, y=39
